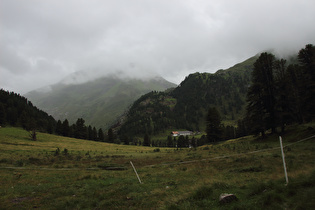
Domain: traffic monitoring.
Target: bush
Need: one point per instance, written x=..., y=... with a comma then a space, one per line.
x=57, y=152
x=34, y=161
x=251, y=169
x=156, y=150
x=111, y=166
x=4, y=160
x=19, y=163
x=65, y=151
x=202, y=193
x=271, y=198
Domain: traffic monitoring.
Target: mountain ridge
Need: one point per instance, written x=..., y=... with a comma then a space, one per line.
x=185, y=106
x=100, y=102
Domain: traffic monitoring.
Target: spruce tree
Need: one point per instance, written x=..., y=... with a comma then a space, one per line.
x=90, y=133
x=101, y=135
x=213, y=125
x=169, y=141
x=81, y=130
x=59, y=128
x=94, y=134
x=181, y=142
x=193, y=142
x=110, y=134
x=284, y=106
x=306, y=58
x=65, y=128
x=146, y=140
x=2, y=115
x=261, y=95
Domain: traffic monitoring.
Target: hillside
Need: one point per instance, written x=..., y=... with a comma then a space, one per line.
x=16, y=110
x=100, y=102
x=185, y=106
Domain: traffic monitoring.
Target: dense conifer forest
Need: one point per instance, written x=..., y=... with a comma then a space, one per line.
x=16, y=110
x=280, y=93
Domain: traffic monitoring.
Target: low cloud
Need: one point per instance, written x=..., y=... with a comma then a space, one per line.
x=44, y=41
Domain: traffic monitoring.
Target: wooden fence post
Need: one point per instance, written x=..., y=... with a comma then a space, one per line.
x=135, y=172
x=283, y=159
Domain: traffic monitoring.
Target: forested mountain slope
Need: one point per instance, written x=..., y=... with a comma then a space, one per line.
x=16, y=110
x=100, y=102
x=185, y=107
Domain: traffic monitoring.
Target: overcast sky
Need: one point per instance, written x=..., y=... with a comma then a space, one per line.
x=43, y=41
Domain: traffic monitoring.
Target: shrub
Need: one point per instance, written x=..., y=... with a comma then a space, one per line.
x=202, y=193
x=34, y=160
x=111, y=166
x=251, y=169
x=4, y=160
x=271, y=198
x=220, y=185
x=65, y=151
x=156, y=150
x=57, y=152
x=19, y=163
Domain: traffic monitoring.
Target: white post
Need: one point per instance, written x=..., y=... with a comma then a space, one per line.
x=135, y=172
x=283, y=159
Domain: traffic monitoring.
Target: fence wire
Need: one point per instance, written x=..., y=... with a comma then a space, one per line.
x=232, y=155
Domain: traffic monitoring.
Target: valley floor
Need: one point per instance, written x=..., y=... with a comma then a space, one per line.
x=64, y=173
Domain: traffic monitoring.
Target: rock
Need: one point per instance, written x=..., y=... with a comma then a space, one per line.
x=227, y=198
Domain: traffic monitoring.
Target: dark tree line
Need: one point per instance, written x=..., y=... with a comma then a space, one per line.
x=176, y=142
x=214, y=127
x=281, y=93
x=16, y=110
x=216, y=131
x=79, y=130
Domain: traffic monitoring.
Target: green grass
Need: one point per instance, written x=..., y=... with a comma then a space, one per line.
x=33, y=174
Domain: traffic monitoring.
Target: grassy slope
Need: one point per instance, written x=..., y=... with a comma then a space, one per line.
x=64, y=181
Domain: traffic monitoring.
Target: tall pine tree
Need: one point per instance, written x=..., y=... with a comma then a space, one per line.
x=306, y=58
x=110, y=134
x=65, y=128
x=101, y=135
x=261, y=95
x=146, y=140
x=213, y=125
x=81, y=129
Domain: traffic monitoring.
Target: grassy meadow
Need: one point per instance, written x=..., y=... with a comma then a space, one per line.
x=64, y=173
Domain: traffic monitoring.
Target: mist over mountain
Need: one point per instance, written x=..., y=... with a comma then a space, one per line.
x=98, y=100
x=123, y=71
